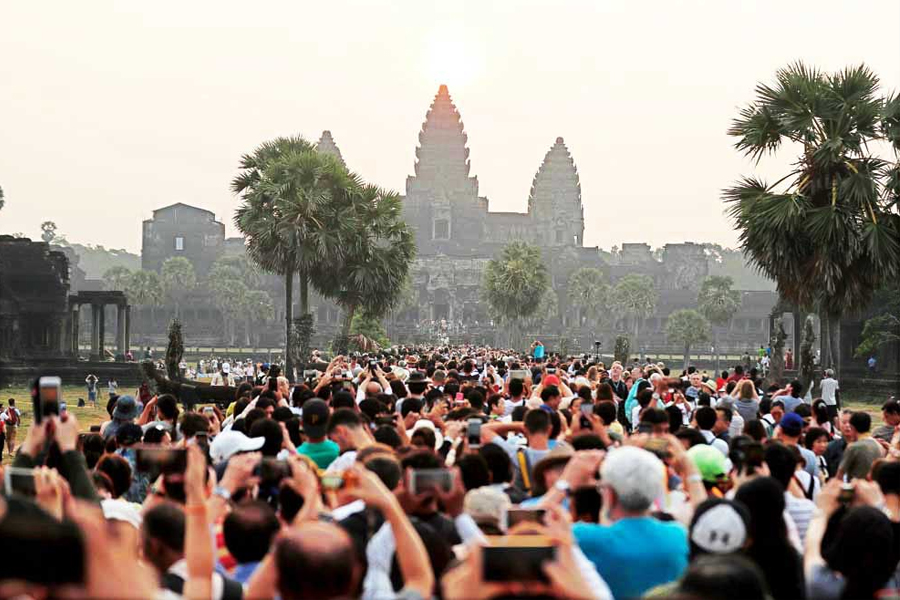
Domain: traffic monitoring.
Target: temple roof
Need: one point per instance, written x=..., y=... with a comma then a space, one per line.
x=326, y=145
x=556, y=182
x=442, y=151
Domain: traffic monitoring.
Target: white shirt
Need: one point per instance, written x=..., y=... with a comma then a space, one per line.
x=829, y=388
x=715, y=442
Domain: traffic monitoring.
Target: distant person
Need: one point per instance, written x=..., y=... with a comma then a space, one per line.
x=789, y=360
x=830, y=389
x=537, y=350
x=112, y=387
x=872, y=364
x=11, y=418
x=91, y=382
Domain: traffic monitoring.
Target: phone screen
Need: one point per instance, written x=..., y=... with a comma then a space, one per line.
x=19, y=481
x=517, y=560
x=473, y=433
x=587, y=408
x=422, y=480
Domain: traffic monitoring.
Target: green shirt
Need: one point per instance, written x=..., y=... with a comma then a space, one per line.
x=322, y=453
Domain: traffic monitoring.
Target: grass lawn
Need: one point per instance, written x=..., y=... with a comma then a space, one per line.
x=88, y=416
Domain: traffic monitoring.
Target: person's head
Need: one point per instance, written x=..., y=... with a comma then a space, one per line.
x=516, y=388
x=249, y=530
x=887, y=475
x=718, y=526
x=756, y=430
x=193, y=423
x=474, y=470
x=777, y=410
x=844, y=424
x=724, y=416
x=719, y=576
x=344, y=426
x=860, y=423
x=706, y=418
x=606, y=410
x=538, y=423
x=162, y=535
x=550, y=396
x=695, y=379
x=498, y=462
x=271, y=431
x=816, y=440
x=782, y=463
x=859, y=544
x=796, y=387
x=315, y=419
x=119, y=472
x=631, y=480
x=487, y=507
x=167, y=408
x=890, y=412
x=316, y=560
x=764, y=499
x=657, y=419
x=385, y=434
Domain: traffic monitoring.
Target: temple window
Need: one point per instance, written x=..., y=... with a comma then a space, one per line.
x=179, y=243
x=441, y=229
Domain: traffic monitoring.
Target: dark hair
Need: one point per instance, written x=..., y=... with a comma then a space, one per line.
x=474, y=470
x=265, y=402
x=676, y=418
x=343, y=399
x=861, y=421
x=165, y=524
x=891, y=407
x=782, y=463
x=289, y=502
x=516, y=388
x=118, y=470
x=860, y=545
x=587, y=441
x=726, y=412
x=385, y=434
x=693, y=436
x=587, y=503
x=796, y=388
x=537, y=420
x=249, y=530
x=820, y=409
x=167, y=407
x=606, y=410
x=518, y=414
x=654, y=416
x=755, y=429
x=421, y=459
x=705, y=417
x=387, y=469
x=604, y=392
x=303, y=574
x=423, y=437
x=723, y=576
x=271, y=431
x=92, y=447
x=498, y=462
x=193, y=423
x=411, y=405
x=765, y=406
x=551, y=391
x=813, y=434
x=346, y=417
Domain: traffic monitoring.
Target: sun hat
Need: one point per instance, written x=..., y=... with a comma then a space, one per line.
x=228, y=443
x=719, y=526
x=487, y=506
x=426, y=424
x=126, y=408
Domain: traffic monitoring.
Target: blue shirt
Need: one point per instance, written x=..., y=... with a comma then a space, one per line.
x=539, y=351
x=244, y=571
x=635, y=554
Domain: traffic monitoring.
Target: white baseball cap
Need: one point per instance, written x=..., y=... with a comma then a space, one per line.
x=229, y=443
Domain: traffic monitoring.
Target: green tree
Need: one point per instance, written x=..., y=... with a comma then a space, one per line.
x=290, y=213
x=511, y=283
x=258, y=309
x=378, y=252
x=884, y=326
x=368, y=326
x=635, y=296
x=145, y=289
x=687, y=327
x=827, y=232
x=547, y=310
x=48, y=231
x=178, y=279
x=229, y=295
x=117, y=278
x=622, y=350
x=588, y=292
x=718, y=303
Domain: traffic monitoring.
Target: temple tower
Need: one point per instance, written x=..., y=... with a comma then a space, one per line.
x=442, y=202
x=326, y=145
x=554, y=203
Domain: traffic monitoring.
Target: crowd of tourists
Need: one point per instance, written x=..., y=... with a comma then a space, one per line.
x=461, y=473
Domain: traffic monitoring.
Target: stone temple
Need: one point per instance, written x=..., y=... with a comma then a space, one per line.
x=457, y=234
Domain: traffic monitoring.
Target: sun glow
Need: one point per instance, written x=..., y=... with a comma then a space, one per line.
x=452, y=61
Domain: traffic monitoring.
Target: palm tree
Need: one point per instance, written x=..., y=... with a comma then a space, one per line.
x=379, y=249
x=117, y=278
x=635, y=296
x=513, y=283
x=718, y=303
x=145, y=289
x=827, y=232
x=258, y=308
x=588, y=292
x=178, y=278
x=686, y=328
x=229, y=294
x=291, y=195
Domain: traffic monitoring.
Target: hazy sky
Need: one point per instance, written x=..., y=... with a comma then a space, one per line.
x=111, y=109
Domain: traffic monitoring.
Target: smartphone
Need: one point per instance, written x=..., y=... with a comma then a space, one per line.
x=18, y=481
x=309, y=373
x=422, y=480
x=49, y=393
x=62, y=407
x=847, y=494
x=95, y=429
x=587, y=409
x=382, y=420
x=514, y=516
x=160, y=461
x=473, y=433
x=551, y=370
x=520, y=374
x=517, y=558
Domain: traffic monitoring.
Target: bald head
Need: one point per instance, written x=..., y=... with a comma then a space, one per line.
x=316, y=560
x=373, y=388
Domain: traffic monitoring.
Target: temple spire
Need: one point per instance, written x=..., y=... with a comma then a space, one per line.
x=326, y=145
x=442, y=152
x=556, y=191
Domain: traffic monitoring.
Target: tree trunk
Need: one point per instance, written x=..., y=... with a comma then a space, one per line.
x=343, y=341
x=288, y=319
x=834, y=341
x=687, y=356
x=304, y=292
x=247, y=326
x=637, y=345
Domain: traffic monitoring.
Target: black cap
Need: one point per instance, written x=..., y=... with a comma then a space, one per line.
x=315, y=418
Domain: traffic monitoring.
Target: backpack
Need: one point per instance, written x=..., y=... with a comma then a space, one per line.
x=12, y=417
